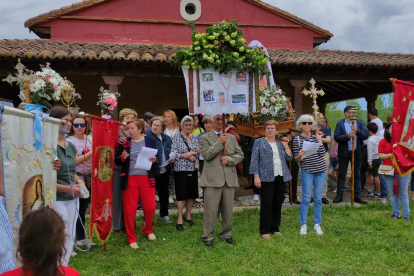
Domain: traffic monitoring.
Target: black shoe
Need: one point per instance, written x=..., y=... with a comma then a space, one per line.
x=230, y=241
x=311, y=200
x=338, y=199
x=250, y=187
x=190, y=222
x=179, y=227
x=296, y=202
x=394, y=217
x=360, y=200
x=209, y=243
x=325, y=200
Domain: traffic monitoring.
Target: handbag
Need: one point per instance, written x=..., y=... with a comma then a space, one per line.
x=386, y=170
x=196, y=162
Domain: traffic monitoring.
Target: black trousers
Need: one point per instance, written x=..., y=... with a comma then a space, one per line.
x=272, y=195
x=295, y=175
x=83, y=205
x=161, y=184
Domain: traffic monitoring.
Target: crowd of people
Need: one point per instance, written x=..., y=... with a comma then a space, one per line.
x=207, y=162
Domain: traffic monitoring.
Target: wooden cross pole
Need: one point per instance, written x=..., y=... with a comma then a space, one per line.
x=223, y=121
x=353, y=116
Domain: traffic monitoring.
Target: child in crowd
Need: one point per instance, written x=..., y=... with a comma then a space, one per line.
x=373, y=158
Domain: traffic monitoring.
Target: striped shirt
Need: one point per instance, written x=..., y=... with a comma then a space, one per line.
x=136, y=148
x=6, y=244
x=314, y=163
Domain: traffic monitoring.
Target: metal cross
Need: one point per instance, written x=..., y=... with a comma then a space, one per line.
x=313, y=92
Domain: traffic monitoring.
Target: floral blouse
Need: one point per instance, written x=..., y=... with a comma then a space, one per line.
x=178, y=146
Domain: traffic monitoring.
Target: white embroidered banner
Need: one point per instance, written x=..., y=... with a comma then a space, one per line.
x=220, y=93
x=28, y=176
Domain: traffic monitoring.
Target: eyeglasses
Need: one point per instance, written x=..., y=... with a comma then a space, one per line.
x=79, y=125
x=307, y=123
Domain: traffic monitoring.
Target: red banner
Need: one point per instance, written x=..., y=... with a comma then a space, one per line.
x=403, y=127
x=105, y=138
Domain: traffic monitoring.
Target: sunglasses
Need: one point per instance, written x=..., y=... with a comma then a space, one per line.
x=307, y=123
x=79, y=125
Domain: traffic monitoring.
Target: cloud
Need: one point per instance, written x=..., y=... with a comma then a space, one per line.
x=358, y=25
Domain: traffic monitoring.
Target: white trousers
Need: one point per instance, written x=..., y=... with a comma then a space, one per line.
x=66, y=210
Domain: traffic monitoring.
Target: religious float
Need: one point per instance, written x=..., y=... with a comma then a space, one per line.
x=223, y=75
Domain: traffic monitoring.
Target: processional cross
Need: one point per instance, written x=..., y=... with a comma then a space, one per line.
x=313, y=92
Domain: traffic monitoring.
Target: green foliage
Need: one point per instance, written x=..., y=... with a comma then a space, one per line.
x=356, y=241
x=333, y=114
x=222, y=48
x=384, y=107
x=362, y=114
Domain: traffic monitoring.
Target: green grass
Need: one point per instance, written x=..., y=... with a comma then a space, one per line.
x=357, y=241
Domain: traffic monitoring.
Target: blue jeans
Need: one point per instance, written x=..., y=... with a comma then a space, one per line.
x=402, y=195
x=383, y=185
x=308, y=180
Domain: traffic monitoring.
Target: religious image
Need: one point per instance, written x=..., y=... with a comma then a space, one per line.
x=208, y=96
x=408, y=131
x=105, y=169
x=222, y=100
x=238, y=99
x=241, y=77
x=33, y=194
x=207, y=77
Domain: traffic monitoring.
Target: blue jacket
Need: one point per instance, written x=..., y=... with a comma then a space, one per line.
x=262, y=161
x=342, y=138
x=166, y=143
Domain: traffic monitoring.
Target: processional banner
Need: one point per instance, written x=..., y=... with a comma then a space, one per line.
x=403, y=127
x=104, y=139
x=28, y=176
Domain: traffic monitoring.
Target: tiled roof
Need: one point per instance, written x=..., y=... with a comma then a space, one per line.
x=89, y=3
x=339, y=58
x=291, y=17
x=46, y=49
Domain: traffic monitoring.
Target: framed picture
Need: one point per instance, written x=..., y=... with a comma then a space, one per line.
x=241, y=77
x=207, y=76
x=238, y=99
x=222, y=99
x=209, y=96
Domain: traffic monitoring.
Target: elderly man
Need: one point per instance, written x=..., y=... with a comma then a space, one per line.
x=219, y=179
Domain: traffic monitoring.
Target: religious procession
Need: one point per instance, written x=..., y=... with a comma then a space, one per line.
x=187, y=140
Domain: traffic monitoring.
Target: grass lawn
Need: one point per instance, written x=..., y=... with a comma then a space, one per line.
x=357, y=241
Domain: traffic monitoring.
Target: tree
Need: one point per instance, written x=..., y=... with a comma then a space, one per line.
x=384, y=107
x=333, y=115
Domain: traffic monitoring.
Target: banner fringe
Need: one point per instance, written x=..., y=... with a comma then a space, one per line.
x=101, y=241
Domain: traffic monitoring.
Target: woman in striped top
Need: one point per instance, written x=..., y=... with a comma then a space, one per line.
x=313, y=171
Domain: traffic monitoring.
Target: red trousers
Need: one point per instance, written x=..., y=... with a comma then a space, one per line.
x=138, y=186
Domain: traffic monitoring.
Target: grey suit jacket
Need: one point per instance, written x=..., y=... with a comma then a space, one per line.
x=214, y=173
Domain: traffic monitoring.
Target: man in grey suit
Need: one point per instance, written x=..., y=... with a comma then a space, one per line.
x=219, y=179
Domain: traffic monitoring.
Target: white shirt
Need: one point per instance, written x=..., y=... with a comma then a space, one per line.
x=277, y=165
x=380, y=125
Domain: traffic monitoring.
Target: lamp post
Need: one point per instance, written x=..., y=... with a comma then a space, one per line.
x=353, y=117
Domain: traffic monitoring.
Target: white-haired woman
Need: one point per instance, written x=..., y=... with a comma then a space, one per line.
x=186, y=146
x=313, y=171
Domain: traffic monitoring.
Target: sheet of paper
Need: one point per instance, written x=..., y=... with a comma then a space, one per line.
x=143, y=156
x=172, y=156
x=310, y=148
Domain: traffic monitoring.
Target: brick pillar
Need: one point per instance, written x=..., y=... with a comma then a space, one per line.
x=298, y=86
x=113, y=82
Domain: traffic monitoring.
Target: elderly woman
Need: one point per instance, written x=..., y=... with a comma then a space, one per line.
x=137, y=182
x=313, y=171
x=164, y=149
x=186, y=146
x=125, y=115
x=268, y=164
x=399, y=191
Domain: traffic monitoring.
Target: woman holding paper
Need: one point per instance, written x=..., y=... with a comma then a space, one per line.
x=313, y=170
x=399, y=191
x=135, y=181
x=268, y=164
x=164, y=148
x=185, y=145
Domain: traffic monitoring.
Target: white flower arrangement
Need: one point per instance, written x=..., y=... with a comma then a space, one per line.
x=45, y=85
x=107, y=101
x=274, y=105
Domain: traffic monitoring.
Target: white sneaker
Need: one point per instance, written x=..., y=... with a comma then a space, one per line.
x=199, y=200
x=335, y=190
x=304, y=230
x=256, y=197
x=81, y=242
x=170, y=200
x=157, y=198
x=318, y=229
